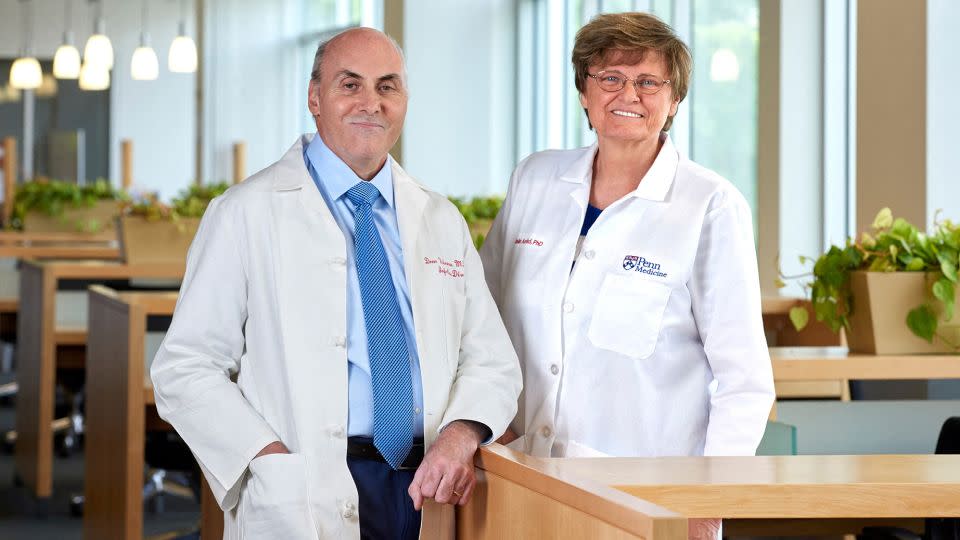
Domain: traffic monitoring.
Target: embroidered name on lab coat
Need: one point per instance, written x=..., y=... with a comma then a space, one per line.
x=453, y=268
x=528, y=242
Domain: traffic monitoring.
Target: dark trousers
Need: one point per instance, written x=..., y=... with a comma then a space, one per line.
x=386, y=511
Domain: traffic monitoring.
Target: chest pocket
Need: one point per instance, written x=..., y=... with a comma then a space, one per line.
x=628, y=315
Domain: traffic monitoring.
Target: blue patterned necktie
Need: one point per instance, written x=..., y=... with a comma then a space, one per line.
x=389, y=360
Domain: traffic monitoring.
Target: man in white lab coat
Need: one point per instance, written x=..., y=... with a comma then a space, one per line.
x=335, y=358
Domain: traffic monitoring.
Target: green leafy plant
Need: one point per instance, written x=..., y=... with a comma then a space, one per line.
x=191, y=203
x=478, y=213
x=53, y=197
x=895, y=246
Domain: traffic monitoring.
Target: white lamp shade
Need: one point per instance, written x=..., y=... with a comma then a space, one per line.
x=144, y=66
x=724, y=66
x=94, y=77
x=25, y=73
x=98, y=51
x=183, y=55
x=66, y=63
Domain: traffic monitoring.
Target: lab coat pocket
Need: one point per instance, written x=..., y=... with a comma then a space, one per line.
x=274, y=501
x=628, y=315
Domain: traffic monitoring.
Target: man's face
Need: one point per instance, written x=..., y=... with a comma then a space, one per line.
x=360, y=101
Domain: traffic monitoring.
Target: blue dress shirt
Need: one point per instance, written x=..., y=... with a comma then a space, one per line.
x=333, y=178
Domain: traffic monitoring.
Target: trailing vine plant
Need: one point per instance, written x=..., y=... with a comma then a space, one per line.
x=895, y=245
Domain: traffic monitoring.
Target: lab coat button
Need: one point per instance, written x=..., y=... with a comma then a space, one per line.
x=589, y=253
x=554, y=369
x=546, y=432
x=349, y=511
x=568, y=307
x=340, y=341
x=337, y=432
x=339, y=261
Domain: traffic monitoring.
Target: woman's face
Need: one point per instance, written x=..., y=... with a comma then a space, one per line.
x=628, y=115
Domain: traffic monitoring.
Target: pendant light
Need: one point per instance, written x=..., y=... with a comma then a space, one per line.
x=25, y=72
x=182, y=57
x=94, y=77
x=99, y=50
x=66, y=62
x=144, y=65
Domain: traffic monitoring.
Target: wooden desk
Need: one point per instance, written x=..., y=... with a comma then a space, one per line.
x=20, y=237
x=120, y=407
x=68, y=246
x=78, y=246
x=37, y=343
x=825, y=493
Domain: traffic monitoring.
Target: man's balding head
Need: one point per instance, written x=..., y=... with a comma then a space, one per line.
x=358, y=97
x=352, y=36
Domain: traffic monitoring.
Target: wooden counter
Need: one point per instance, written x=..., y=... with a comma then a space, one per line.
x=782, y=495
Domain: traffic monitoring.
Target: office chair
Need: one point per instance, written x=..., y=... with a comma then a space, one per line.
x=934, y=528
x=173, y=470
x=170, y=470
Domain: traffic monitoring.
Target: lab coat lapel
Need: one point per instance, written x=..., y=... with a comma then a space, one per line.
x=309, y=257
x=426, y=300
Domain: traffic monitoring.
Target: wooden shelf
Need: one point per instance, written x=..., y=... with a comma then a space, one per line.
x=829, y=363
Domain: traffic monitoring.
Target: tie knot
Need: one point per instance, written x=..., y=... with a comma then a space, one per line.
x=363, y=193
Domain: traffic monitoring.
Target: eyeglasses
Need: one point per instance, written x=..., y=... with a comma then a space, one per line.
x=614, y=81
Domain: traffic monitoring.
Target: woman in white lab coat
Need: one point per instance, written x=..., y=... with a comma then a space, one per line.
x=626, y=274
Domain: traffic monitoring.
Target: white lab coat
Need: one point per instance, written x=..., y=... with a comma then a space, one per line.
x=619, y=354
x=264, y=301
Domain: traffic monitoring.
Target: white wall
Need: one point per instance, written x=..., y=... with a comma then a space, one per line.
x=253, y=83
x=943, y=109
x=459, y=133
x=156, y=115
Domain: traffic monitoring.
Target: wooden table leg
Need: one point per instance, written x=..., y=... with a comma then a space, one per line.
x=36, y=374
x=115, y=412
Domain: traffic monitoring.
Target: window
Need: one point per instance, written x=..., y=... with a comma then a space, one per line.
x=716, y=124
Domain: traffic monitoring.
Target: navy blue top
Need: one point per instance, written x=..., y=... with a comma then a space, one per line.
x=592, y=214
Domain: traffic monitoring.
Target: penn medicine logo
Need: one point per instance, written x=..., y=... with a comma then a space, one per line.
x=641, y=264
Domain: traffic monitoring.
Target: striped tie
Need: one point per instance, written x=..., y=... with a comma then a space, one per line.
x=389, y=361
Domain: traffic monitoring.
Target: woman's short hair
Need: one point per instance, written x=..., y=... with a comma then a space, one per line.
x=627, y=38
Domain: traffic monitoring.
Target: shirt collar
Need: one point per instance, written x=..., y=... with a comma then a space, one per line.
x=654, y=185
x=337, y=177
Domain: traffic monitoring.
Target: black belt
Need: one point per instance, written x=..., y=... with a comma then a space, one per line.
x=363, y=448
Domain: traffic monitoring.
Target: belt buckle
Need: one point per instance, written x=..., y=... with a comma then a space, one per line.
x=418, y=451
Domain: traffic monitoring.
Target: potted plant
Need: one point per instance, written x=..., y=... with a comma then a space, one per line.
x=478, y=213
x=153, y=232
x=54, y=206
x=894, y=291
